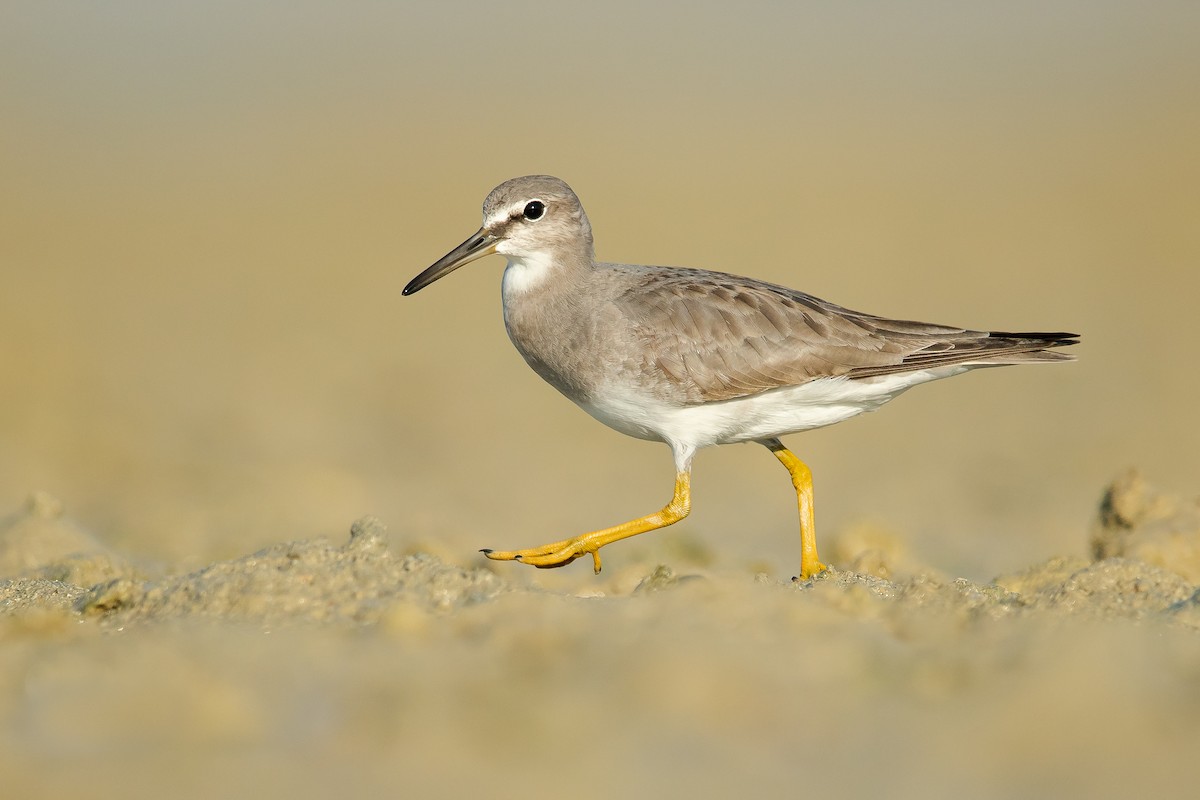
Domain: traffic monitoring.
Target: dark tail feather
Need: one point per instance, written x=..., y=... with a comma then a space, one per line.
x=1057, y=339
x=1026, y=348
x=976, y=348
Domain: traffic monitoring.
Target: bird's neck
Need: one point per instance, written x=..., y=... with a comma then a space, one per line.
x=540, y=271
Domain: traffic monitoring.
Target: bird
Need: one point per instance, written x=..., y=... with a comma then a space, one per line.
x=695, y=358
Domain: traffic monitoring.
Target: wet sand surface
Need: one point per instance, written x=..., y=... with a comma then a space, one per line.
x=244, y=483
x=350, y=666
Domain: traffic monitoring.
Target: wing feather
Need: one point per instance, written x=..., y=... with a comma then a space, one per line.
x=714, y=336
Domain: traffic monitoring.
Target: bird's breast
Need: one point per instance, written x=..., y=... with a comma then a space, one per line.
x=558, y=340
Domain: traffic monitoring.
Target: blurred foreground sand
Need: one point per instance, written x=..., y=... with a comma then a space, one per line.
x=316, y=668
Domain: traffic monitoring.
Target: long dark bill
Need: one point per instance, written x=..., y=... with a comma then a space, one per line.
x=479, y=245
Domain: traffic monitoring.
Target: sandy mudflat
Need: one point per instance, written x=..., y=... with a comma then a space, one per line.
x=348, y=665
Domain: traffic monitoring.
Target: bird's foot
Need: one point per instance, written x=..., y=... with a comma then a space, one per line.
x=549, y=556
x=810, y=570
x=558, y=554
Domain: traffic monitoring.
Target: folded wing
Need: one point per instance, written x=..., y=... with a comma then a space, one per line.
x=718, y=337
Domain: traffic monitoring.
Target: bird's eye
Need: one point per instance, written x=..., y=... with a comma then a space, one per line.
x=534, y=209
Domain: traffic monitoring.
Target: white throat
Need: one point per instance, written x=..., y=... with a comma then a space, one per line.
x=525, y=271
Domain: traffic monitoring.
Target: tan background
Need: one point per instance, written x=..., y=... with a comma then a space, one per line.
x=209, y=211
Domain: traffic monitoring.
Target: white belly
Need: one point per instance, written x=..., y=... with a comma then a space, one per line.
x=775, y=413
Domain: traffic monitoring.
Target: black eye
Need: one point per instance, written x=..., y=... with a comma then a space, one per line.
x=534, y=209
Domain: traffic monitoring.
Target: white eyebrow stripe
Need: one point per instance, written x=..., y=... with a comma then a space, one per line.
x=502, y=217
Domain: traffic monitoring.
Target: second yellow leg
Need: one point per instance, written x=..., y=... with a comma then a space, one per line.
x=802, y=479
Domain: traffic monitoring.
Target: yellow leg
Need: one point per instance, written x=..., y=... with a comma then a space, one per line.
x=559, y=554
x=802, y=479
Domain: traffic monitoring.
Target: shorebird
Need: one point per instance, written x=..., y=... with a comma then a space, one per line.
x=695, y=358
